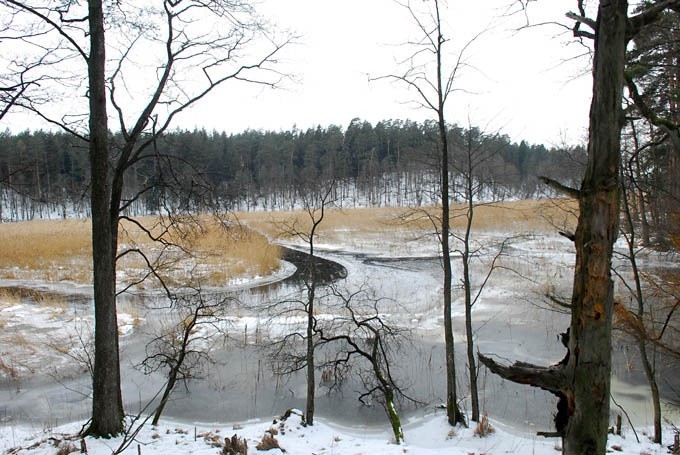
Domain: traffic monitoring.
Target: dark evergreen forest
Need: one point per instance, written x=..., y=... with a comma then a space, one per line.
x=392, y=163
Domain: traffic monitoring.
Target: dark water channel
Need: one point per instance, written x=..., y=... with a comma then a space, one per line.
x=239, y=385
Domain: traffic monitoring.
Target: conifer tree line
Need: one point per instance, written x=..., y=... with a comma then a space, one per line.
x=46, y=174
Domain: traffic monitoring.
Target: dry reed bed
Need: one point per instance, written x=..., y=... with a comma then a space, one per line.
x=512, y=217
x=209, y=253
x=220, y=251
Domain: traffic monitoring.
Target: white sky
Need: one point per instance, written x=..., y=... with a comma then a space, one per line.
x=522, y=85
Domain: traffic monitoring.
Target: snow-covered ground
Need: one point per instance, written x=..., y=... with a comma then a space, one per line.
x=427, y=436
x=513, y=323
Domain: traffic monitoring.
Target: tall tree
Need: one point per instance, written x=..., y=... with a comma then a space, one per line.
x=653, y=70
x=474, y=156
x=582, y=379
x=187, y=39
x=653, y=81
x=107, y=400
x=306, y=228
x=433, y=81
x=634, y=322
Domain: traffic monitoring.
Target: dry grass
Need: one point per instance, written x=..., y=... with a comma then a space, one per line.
x=484, y=427
x=8, y=370
x=14, y=295
x=210, y=253
x=515, y=216
x=56, y=250
x=10, y=296
x=17, y=340
x=236, y=250
x=60, y=250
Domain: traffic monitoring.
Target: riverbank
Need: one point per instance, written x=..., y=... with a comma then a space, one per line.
x=426, y=436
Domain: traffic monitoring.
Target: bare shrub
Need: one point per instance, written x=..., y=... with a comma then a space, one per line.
x=484, y=427
x=268, y=442
x=235, y=446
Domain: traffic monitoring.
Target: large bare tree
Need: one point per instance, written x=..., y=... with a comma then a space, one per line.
x=193, y=47
x=475, y=156
x=582, y=379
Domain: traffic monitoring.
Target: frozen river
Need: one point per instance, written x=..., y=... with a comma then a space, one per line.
x=511, y=320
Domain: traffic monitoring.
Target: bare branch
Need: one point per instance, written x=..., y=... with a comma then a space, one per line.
x=551, y=378
x=571, y=192
x=59, y=29
x=582, y=20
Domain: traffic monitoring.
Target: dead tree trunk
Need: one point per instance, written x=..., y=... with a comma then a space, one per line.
x=582, y=379
x=589, y=365
x=309, y=355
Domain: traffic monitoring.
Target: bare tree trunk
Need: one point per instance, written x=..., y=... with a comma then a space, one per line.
x=472, y=365
x=589, y=364
x=311, y=295
x=637, y=191
x=582, y=379
x=169, y=386
x=650, y=374
x=311, y=380
x=174, y=373
x=643, y=212
x=453, y=412
x=648, y=365
x=467, y=285
x=107, y=403
x=395, y=421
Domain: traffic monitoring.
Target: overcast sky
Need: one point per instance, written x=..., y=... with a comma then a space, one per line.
x=525, y=83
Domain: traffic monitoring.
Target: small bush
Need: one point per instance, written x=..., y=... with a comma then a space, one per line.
x=235, y=446
x=484, y=428
x=268, y=442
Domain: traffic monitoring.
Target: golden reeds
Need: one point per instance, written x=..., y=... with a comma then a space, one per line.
x=215, y=252
x=512, y=216
x=61, y=250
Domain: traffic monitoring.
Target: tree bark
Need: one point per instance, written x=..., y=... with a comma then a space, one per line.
x=474, y=390
x=582, y=379
x=311, y=380
x=311, y=296
x=175, y=367
x=467, y=286
x=650, y=374
x=589, y=365
x=169, y=386
x=453, y=412
x=395, y=421
x=107, y=403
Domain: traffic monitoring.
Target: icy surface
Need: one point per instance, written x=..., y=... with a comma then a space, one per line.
x=513, y=322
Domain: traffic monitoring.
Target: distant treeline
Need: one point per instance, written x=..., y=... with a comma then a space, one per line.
x=46, y=174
